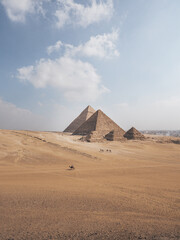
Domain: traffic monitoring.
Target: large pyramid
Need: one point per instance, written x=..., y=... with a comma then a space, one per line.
x=99, y=124
x=86, y=113
x=133, y=133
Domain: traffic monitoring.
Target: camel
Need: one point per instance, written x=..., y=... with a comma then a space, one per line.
x=71, y=167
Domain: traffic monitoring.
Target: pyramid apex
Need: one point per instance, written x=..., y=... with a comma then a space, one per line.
x=89, y=108
x=99, y=112
x=84, y=115
x=132, y=130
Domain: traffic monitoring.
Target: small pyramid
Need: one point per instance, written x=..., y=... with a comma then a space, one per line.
x=114, y=136
x=84, y=115
x=133, y=133
x=99, y=124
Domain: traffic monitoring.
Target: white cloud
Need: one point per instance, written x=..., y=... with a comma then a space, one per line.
x=18, y=9
x=13, y=117
x=25, y=72
x=62, y=18
x=76, y=79
x=101, y=46
x=70, y=12
x=54, y=48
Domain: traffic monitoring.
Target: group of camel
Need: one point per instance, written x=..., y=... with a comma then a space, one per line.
x=107, y=150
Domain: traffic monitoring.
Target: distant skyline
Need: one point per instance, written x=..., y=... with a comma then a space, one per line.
x=120, y=56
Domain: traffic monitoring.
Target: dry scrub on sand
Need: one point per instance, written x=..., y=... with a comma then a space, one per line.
x=131, y=192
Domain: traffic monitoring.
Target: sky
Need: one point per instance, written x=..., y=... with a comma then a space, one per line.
x=120, y=56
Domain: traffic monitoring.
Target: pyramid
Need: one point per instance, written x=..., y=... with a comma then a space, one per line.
x=97, y=126
x=133, y=133
x=84, y=115
x=114, y=135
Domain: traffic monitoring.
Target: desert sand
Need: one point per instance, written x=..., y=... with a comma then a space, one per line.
x=132, y=192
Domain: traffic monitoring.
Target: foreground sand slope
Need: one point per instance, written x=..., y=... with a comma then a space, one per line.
x=129, y=193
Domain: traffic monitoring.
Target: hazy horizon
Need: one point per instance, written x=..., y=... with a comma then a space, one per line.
x=118, y=56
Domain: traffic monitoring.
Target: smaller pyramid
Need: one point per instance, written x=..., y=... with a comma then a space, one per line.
x=114, y=136
x=98, y=125
x=77, y=122
x=133, y=133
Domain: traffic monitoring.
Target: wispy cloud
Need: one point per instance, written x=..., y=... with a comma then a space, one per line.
x=55, y=47
x=17, y=9
x=70, y=12
x=101, y=46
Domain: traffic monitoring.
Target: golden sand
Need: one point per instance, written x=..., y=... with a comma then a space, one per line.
x=132, y=192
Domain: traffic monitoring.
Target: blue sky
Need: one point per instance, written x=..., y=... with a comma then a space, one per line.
x=57, y=57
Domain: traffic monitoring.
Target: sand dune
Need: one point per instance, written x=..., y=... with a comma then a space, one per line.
x=131, y=192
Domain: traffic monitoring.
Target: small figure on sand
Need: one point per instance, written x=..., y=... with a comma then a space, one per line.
x=71, y=167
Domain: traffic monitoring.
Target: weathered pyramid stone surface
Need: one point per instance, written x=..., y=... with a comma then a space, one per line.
x=95, y=136
x=115, y=135
x=133, y=133
x=85, y=114
x=97, y=126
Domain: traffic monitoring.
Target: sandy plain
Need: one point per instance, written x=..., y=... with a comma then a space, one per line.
x=132, y=192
